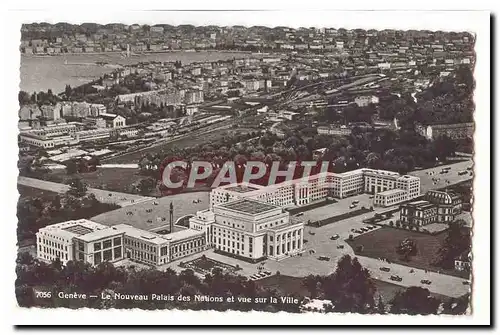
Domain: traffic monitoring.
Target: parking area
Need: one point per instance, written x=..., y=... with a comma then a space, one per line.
x=446, y=179
x=341, y=206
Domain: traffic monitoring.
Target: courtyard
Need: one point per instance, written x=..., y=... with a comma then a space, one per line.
x=204, y=265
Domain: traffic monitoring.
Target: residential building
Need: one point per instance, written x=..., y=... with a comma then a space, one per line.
x=453, y=131
x=448, y=204
x=463, y=262
x=334, y=130
x=113, y=120
x=417, y=213
x=437, y=207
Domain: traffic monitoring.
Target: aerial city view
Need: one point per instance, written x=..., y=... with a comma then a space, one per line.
x=245, y=168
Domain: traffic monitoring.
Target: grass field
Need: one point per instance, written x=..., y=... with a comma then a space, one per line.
x=110, y=179
x=26, y=191
x=389, y=290
x=382, y=243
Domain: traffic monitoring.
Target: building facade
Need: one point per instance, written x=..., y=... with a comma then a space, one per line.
x=302, y=191
x=454, y=131
x=437, y=207
x=93, y=243
x=251, y=230
x=417, y=213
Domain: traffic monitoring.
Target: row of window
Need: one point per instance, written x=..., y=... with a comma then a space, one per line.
x=186, y=246
x=186, y=253
x=55, y=253
x=106, y=244
x=143, y=256
x=107, y=255
x=52, y=244
x=144, y=246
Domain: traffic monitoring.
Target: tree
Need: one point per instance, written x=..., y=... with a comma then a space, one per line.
x=68, y=91
x=414, y=301
x=311, y=283
x=350, y=288
x=24, y=98
x=407, y=248
x=458, y=240
x=71, y=167
x=380, y=305
x=77, y=187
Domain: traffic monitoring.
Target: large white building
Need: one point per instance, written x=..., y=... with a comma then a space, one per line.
x=251, y=230
x=91, y=242
x=299, y=192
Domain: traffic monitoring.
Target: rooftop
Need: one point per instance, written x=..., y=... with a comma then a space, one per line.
x=74, y=228
x=248, y=206
x=140, y=234
x=241, y=188
x=183, y=234
x=392, y=192
x=78, y=229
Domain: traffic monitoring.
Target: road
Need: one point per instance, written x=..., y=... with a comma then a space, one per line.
x=119, y=198
x=452, y=176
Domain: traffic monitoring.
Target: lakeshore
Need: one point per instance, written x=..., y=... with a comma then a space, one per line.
x=43, y=72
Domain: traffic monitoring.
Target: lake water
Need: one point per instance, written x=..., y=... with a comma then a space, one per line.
x=42, y=73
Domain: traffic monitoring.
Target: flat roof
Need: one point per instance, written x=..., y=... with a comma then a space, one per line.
x=140, y=234
x=100, y=234
x=391, y=192
x=248, y=206
x=183, y=234
x=78, y=229
x=241, y=188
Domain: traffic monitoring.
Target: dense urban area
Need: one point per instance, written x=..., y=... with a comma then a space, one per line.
x=382, y=223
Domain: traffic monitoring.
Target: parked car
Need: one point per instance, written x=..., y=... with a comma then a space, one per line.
x=465, y=282
x=340, y=246
x=385, y=269
x=372, y=196
x=357, y=231
x=355, y=202
x=335, y=237
x=425, y=281
x=324, y=258
x=352, y=206
x=396, y=278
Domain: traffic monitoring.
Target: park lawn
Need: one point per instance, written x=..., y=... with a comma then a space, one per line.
x=27, y=191
x=382, y=243
x=389, y=290
x=111, y=179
